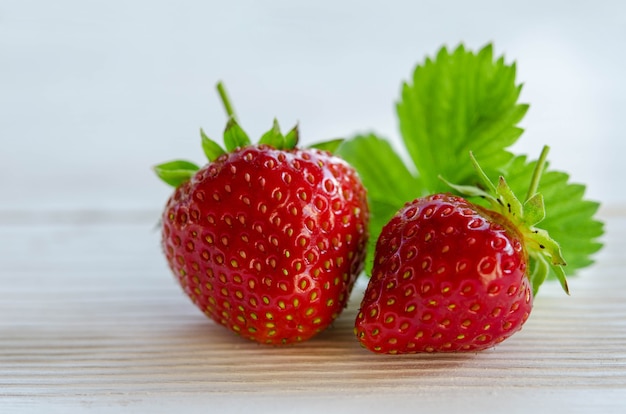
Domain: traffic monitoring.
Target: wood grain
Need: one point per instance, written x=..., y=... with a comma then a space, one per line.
x=92, y=321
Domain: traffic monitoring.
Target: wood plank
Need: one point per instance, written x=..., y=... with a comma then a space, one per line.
x=92, y=320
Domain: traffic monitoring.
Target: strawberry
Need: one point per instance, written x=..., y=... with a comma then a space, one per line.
x=450, y=275
x=266, y=239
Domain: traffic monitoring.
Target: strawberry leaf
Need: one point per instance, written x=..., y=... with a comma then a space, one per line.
x=460, y=102
x=274, y=138
x=176, y=172
x=381, y=169
x=330, y=146
x=534, y=210
x=212, y=149
x=292, y=138
x=457, y=103
x=388, y=181
x=234, y=136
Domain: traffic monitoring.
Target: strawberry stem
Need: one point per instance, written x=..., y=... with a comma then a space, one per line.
x=534, y=183
x=230, y=111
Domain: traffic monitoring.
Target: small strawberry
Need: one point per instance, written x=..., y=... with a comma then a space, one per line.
x=450, y=275
x=266, y=239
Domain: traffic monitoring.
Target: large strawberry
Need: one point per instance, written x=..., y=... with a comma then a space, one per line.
x=266, y=239
x=450, y=275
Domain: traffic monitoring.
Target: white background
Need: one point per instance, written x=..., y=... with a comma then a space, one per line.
x=93, y=93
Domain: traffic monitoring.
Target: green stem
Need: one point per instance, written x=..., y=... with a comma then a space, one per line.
x=534, y=184
x=230, y=111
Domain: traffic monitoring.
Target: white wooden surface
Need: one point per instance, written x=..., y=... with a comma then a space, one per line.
x=92, y=321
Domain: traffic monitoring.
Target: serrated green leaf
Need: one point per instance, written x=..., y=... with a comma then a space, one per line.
x=389, y=182
x=176, y=172
x=234, y=136
x=460, y=102
x=381, y=169
x=212, y=149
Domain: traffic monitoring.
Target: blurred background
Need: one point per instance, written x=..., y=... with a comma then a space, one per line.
x=94, y=93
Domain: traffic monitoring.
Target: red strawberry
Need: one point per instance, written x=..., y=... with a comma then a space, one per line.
x=449, y=275
x=266, y=240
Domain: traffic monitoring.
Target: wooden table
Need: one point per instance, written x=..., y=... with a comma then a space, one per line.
x=92, y=321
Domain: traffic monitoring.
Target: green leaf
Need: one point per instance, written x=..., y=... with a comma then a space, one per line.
x=212, y=149
x=569, y=217
x=462, y=102
x=383, y=172
x=274, y=138
x=534, y=210
x=561, y=277
x=539, y=270
x=484, y=179
x=470, y=190
x=509, y=199
x=389, y=182
x=459, y=102
x=544, y=252
x=330, y=146
x=292, y=137
x=176, y=172
x=234, y=136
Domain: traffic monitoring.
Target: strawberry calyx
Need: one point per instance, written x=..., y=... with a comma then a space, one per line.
x=544, y=252
x=235, y=137
x=177, y=172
